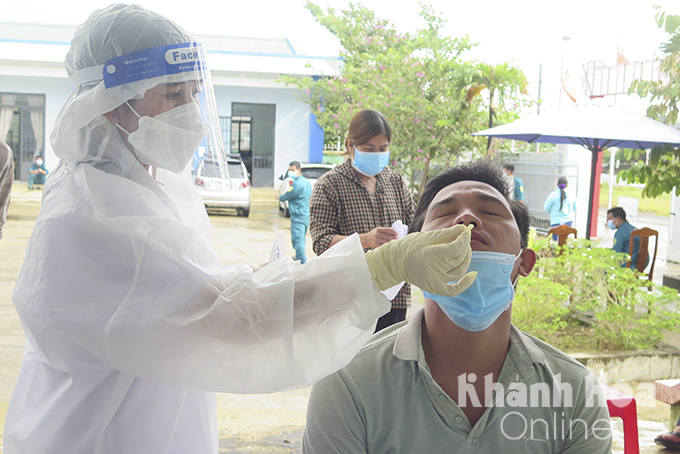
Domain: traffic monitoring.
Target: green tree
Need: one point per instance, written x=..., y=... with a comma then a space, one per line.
x=662, y=173
x=418, y=81
x=503, y=80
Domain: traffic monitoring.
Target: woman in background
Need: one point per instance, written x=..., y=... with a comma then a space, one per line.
x=561, y=204
x=363, y=196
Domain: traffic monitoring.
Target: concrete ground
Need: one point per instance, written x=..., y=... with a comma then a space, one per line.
x=270, y=423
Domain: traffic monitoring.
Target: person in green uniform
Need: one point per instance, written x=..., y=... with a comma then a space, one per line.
x=616, y=220
x=298, y=203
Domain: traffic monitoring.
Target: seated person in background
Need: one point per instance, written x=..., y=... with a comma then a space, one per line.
x=37, y=173
x=458, y=376
x=616, y=220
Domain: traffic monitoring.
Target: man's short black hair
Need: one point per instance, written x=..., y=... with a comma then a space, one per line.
x=295, y=164
x=509, y=167
x=617, y=212
x=484, y=172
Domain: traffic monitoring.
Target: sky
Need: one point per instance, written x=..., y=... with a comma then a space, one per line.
x=526, y=33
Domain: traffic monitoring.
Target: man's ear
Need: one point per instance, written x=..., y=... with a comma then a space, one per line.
x=527, y=262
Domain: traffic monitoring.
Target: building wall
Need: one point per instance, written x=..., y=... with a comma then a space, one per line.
x=244, y=70
x=292, y=140
x=55, y=90
x=292, y=115
x=539, y=173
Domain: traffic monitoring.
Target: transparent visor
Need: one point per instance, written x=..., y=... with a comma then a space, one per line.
x=170, y=77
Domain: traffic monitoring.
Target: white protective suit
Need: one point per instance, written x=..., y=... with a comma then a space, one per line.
x=132, y=322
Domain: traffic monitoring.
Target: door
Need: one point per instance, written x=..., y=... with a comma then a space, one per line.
x=22, y=126
x=253, y=135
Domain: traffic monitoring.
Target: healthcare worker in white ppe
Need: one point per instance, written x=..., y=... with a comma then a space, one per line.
x=132, y=322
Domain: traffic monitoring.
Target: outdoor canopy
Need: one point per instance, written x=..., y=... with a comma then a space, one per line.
x=593, y=127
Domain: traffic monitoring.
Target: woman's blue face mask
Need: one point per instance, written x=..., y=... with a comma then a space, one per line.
x=370, y=163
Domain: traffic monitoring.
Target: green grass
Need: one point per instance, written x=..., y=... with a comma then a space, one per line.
x=660, y=205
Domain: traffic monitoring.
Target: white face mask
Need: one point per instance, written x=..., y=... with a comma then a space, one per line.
x=39, y=162
x=169, y=139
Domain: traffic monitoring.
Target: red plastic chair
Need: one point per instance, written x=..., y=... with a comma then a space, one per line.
x=623, y=406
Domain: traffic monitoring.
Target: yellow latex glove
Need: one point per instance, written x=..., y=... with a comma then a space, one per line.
x=426, y=259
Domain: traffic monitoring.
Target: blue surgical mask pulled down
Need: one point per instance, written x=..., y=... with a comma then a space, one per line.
x=487, y=298
x=370, y=163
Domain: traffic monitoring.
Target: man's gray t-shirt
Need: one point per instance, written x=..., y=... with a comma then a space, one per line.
x=386, y=401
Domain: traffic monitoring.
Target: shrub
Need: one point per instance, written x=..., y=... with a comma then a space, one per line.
x=583, y=299
x=540, y=307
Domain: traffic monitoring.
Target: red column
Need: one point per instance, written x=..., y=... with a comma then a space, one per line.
x=596, y=196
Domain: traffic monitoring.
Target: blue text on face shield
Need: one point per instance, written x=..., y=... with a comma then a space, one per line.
x=175, y=56
x=154, y=62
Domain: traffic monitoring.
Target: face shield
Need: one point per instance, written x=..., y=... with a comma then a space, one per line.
x=172, y=120
x=142, y=93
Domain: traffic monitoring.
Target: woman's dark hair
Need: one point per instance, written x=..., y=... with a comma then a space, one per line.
x=484, y=172
x=562, y=181
x=367, y=124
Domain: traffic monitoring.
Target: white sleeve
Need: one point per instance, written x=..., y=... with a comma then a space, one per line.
x=147, y=296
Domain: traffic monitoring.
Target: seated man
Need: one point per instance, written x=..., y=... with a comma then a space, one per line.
x=616, y=220
x=37, y=173
x=458, y=376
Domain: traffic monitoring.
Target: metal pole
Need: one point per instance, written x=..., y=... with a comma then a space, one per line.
x=540, y=82
x=564, y=39
x=612, y=164
x=537, y=147
x=559, y=100
x=672, y=226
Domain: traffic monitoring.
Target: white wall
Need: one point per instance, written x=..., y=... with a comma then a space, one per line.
x=55, y=90
x=292, y=120
x=540, y=171
x=292, y=115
